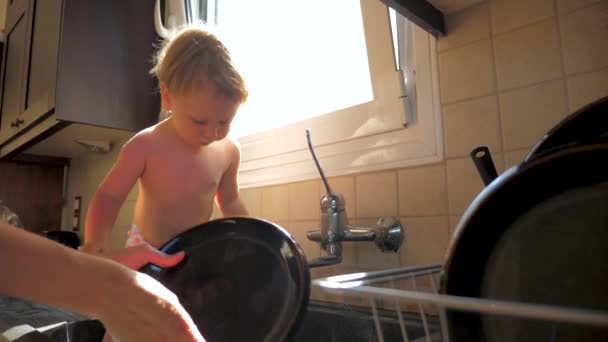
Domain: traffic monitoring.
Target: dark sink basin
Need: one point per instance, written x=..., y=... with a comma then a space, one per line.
x=323, y=322
x=334, y=323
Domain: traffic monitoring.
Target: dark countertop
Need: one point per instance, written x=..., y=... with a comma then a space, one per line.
x=27, y=321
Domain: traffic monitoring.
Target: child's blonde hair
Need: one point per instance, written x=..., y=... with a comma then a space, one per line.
x=194, y=58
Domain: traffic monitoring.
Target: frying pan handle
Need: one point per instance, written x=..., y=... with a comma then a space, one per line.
x=485, y=166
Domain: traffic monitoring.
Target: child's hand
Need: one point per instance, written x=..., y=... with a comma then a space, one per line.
x=147, y=311
x=137, y=256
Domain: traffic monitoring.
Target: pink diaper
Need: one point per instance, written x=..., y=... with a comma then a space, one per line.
x=134, y=238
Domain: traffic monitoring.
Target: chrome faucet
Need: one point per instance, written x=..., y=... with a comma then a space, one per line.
x=387, y=233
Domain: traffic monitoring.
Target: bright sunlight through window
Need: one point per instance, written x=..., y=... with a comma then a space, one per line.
x=300, y=59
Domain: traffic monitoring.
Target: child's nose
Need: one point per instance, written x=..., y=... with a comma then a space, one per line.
x=212, y=132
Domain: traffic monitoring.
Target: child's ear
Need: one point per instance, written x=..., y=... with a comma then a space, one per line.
x=165, y=98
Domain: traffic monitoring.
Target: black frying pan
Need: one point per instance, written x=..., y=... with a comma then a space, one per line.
x=588, y=124
x=538, y=233
x=244, y=279
x=585, y=125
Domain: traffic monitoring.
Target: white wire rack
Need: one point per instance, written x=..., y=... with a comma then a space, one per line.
x=413, y=292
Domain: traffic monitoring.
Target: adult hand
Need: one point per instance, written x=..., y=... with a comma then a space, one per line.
x=137, y=256
x=146, y=311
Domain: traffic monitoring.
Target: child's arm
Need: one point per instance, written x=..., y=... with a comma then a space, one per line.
x=131, y=305
x=227, y=196
x=110, y=195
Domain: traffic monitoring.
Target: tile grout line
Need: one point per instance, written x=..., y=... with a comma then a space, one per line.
x=562, y=57
x=496, y=86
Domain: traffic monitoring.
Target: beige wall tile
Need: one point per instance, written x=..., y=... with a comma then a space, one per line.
x=75, y=185
x=323, y=272
x=420, y=283
x=585, y=38
x=427, y=240
x=87, y=171
x=369, y=256
x=125, y=214
x=565, y=6
x=319, y=272
x=510, y=14
x=528, y=113
x=283, y=224
x=132, y=196
x=424, y=283
x=470, y=124
x=464, y=182
x=376, y=194
x=317, y=294
x=252, y=199
x=452, y=6
x=423, y=191
x=349, y=254
x=528, y=55
x=454, y=220
x=515, y=157
x=119, y=236
x=298, y=230
x=344, y=185
x=304, y=201
x=275, y=203
x=97, y=168
x=586, y=88
x=467, y=26
x=466, y=72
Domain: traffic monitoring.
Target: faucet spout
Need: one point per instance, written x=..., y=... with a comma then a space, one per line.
x=324, y=261
x=334, y=256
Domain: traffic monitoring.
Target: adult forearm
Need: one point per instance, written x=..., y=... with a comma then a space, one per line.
x=44, y=271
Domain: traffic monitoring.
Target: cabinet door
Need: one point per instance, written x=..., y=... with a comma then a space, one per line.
x=104, y=62
x=42, y=76
x=14, y=65
x=34, y=192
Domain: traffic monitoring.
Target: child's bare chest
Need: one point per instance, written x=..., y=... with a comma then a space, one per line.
x=174, y=175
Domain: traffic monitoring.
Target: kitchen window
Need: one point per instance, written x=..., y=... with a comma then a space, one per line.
x=332, y=67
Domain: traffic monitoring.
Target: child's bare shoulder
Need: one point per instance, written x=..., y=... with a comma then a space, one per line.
x=232, y=146
x=142, y=141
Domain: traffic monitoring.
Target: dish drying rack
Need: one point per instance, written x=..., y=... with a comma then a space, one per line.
x=384, y=290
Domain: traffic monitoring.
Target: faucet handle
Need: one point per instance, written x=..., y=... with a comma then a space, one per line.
x=314, y=157
x=390, y=234
x=334, y=201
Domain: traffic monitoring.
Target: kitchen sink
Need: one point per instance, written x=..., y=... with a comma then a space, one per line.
x=330, y=322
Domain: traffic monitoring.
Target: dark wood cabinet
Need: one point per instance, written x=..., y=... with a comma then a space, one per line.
x=76, y=62
x=43, y=62
x=34, y=192
x=14, y=66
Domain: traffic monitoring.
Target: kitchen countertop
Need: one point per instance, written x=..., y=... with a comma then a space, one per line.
x=30, y=321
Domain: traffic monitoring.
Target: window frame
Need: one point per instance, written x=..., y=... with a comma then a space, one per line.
x=401, y=127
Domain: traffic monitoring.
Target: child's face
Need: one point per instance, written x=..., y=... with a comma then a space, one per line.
x=202, y=117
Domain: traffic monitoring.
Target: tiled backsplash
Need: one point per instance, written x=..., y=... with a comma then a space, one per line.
x=509, y=70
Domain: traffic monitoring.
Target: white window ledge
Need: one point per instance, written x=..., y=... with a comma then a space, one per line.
x=419, y=142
